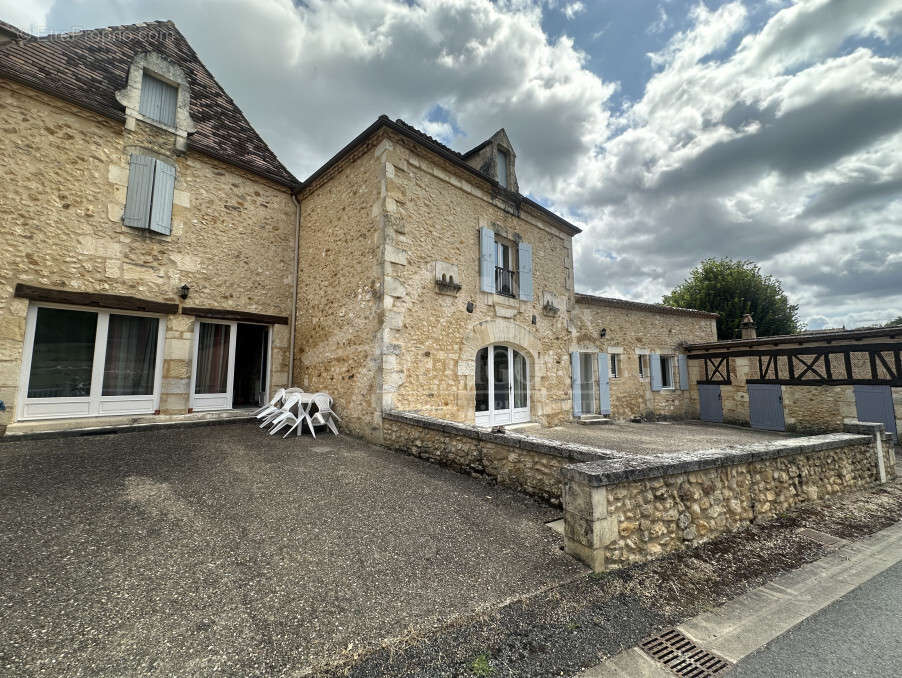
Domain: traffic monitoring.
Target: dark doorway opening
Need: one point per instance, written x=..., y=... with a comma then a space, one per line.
x=251, y=344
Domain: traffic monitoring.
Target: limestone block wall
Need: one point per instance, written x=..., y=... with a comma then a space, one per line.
x=339, y=343
x=530, y=465
x=618, y=514
x=628, y=330
x=433, y=215
x=64, y=173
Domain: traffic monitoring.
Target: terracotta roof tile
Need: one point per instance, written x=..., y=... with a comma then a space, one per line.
x=641, y=306
x=88, y=68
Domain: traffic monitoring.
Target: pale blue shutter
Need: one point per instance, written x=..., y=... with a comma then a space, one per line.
x=161, y=209
x=574, y=384
x=655, y=362
x=137, y=196
x=684, y=372
x=486, y=259
x=604, y=383
x=158, y=100
x=524, y=254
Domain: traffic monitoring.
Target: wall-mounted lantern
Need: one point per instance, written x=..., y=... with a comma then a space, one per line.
x=470, y=307
x=604, y=332
x=183, y=291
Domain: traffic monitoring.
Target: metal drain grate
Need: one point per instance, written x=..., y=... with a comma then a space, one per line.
x=682, y=656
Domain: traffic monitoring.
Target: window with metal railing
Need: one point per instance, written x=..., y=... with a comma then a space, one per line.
x=506, y=282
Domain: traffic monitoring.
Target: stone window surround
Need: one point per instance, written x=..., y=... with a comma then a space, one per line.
x=671, y=357
x=163, y=69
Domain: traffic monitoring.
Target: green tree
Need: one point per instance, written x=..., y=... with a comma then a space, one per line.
x=895, y=323
x=733, y=288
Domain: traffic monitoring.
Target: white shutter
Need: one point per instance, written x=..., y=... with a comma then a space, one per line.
x=163, y=188
x=684, y=372
x=137, y=196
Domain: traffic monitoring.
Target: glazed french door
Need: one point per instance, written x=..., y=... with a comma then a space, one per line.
x=502, y=386
x=214, y=355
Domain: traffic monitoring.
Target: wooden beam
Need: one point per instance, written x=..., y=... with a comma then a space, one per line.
x=94, y=300
x=240, y=316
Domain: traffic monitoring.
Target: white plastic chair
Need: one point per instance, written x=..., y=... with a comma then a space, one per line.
x=272, y=405
x=324, y=415
x=283, y=412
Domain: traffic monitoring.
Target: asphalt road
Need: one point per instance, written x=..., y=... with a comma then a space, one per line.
x=858, y=635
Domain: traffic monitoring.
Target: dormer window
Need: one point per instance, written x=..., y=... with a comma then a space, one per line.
x=502, y=158
x=159, y=100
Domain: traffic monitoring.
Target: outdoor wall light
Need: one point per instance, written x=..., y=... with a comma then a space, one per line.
x=470, y=307
x=604, y=332
x=533, y=320
x=183, y=291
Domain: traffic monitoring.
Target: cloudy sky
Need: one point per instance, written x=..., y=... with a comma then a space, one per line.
x=670, y=130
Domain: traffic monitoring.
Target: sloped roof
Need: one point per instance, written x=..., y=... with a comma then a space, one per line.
x=815, y=337
x=445, y=152
x=641, y=306
x=88, y=68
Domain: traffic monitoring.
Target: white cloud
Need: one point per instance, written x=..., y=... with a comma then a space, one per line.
x=571, y=9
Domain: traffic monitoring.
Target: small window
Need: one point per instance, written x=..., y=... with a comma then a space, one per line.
x=643, y=367
x=502, y=161
x=615, y=365
x=666, y=371
x=506, y=276
x=158, y=100
x=148, y=199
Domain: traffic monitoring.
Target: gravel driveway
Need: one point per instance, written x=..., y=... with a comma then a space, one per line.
x=219, y=550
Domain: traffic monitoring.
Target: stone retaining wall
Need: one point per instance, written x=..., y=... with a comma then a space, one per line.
x=525, y=463
x=619, y=512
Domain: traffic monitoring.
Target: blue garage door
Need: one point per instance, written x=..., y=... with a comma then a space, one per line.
x=875, y=404
x=710, y=406
x=766, y=407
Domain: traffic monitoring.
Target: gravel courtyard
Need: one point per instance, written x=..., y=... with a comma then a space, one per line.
x=657, y=437
x=221, y=550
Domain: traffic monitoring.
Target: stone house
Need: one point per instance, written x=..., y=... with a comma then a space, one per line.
x=146, y=259
x=161, y=264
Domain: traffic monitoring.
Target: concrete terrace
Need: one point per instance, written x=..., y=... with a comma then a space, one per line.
x=152, y=553
x=656, y=437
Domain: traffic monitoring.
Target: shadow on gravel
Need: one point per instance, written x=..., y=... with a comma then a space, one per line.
x=576, y=625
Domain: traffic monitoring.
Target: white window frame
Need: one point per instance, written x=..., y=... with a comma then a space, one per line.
x=614, y=359
x=512, y=415
x=644, y=374
x=95, y=404
x=205, y=402
x=667, y=359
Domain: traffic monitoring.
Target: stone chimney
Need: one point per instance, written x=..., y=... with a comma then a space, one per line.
x=748, y=327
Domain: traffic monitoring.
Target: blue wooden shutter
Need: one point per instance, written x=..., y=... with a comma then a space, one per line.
x=574, y=384
x=524, y=254
x=604, y=383
x=158, y=100
x=161, y=207
x=486, y=259
x=137, y=196
x=684, y=372
x=655, y=363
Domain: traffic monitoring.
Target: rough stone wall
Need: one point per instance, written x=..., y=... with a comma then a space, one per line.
x=64, y=173
x=628, y=330
x=340, y=290
x=628, y=522
x=523, y=463
x=433, y=214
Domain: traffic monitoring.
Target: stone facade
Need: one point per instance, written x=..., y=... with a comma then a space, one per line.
x=65, y=170
x=618, y=515
x=631, y=331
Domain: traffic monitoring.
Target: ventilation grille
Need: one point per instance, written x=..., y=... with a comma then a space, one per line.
x=682, y=656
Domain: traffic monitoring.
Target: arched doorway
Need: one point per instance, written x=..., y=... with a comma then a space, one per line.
x=502, y=386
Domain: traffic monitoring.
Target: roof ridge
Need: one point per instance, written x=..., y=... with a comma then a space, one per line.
x=426, y=136
x=646, y=304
